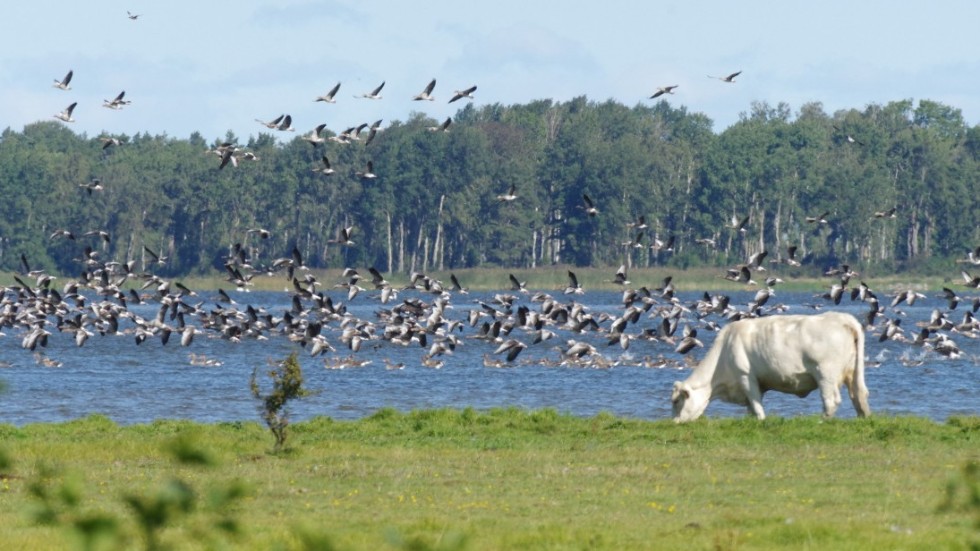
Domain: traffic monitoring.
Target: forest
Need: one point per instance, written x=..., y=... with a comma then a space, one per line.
x=889, y=188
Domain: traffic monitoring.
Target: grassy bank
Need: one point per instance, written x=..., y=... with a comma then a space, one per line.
x=505, y=479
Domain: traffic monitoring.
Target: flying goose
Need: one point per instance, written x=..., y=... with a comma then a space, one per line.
x=373, y=94
x=116, y=103
x=577, y=349
x=326, y=170
x=908, y=296
x=661, y=90
x=739, y=225
x=689, y=342
x=456, y=286
x=343, y=236
x=377, y=279
x=516, y=284
x=460, y=94
x=639, y=224
x=972, y=257
x=228, y=155
x=620, y=278
x=355, y=134
x=729, y=78
x=368, y=173
x=157, y=258
x=969, y=280
x=63, y=83
x=99, y=233
x=109, y=141
x=661, y=245
x=822, y=219
x=263, y=233
x=444, y=127
x=573, y=287
x=66, y=114
x=314, y=137
x=95, y=184
x=343, y=137
x=286, y=124
x=511, y=195
x=890, y=213
x=273, y=124
x=790, y=259
x=589, y=206
x=740, y=274
x=373, y=131
x=951, y=298
x=133, y=16
x=512, y=347
x=328, y=97
x=426, y=94
x=847, y=137
x=755, y=261
x=635, y=242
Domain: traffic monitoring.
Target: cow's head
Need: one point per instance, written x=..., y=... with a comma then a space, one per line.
x=688, y=403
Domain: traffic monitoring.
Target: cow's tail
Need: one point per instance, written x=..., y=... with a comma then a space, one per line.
x=856, y=387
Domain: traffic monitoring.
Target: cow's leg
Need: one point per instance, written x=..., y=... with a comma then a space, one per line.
x=753, y=396
x=830, y=392
x=859, y=399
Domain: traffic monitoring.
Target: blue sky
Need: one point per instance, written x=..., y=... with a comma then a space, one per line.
x=214, y=66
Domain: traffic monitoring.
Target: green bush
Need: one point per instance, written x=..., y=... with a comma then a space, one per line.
x=287, y=385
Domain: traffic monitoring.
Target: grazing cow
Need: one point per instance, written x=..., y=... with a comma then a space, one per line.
x=793, y=354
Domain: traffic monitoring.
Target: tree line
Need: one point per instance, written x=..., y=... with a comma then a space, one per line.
x=887, y=188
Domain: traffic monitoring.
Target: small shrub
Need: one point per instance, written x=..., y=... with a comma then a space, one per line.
x=287, y=384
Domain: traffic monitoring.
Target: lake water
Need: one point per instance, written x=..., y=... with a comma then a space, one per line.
x=113, y=376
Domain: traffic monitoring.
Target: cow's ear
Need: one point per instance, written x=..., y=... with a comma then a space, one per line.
x=679, y=392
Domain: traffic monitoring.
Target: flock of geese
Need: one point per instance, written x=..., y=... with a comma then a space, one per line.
x=426, y=313
x=112, y=299
x=230, y=153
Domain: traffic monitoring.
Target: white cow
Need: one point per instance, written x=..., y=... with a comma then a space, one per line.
x=793, y=354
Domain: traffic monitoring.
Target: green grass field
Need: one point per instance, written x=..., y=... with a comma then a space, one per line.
x=503, y=479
